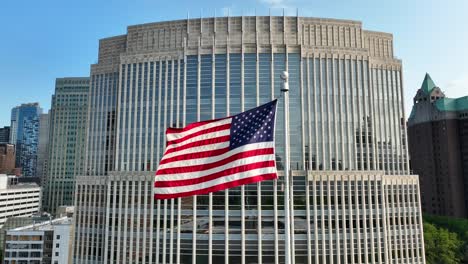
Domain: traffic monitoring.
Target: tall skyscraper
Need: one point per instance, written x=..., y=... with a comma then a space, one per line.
x=43, y=146
x=67, y=141
x=354, y=200
x=4, y=135
x=438, y=144
x=24, y=133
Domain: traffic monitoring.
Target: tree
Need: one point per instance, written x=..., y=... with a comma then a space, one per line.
x=455, y=225
x=442, y=246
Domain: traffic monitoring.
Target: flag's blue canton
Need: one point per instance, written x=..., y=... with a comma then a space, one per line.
x=256, y=125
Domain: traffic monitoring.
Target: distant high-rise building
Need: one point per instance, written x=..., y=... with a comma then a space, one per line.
x=354, y=200
x=43, y=146
x=24, y=134
x=438, y=145
x=67, y=141
x=7, y=158
x=4, y=135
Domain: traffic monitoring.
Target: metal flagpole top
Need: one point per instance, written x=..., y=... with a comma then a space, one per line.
x=287, y=226
x=285, y=77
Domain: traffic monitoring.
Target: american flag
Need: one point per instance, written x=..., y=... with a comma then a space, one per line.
x=214, y=155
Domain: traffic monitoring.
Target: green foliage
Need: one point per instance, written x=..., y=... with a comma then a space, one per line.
x=456, y=225
x=446, y=240
x=442, y=246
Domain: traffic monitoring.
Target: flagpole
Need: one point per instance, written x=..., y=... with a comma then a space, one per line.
x=287, y=232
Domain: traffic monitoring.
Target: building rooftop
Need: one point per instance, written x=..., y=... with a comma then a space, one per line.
x=452, y=104
x=428, y=84
x=8, y=182
x=314, y=19
x=22, y=186
x=45, y=226
x=28, y=104
x=431, y=93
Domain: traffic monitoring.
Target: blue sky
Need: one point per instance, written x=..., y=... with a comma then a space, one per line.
x=43, y=40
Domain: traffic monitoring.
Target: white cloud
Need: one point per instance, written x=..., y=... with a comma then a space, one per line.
x=457, y=87
x=275, y=3
x=287, y=5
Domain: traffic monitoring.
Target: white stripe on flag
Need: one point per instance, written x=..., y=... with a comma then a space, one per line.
x=197, y=149
x=200, y=161
x=207, y=136
x=174, y=136
x=199, y=174
x=218, y=181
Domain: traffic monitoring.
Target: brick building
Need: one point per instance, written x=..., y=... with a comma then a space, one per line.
x=7, y=158
x=438, y=145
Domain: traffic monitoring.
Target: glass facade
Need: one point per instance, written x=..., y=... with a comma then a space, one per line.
x=101, y=123
x=67, y=142
x=346, y=115
x=24, y=134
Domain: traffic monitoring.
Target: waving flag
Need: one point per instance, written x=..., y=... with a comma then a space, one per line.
x=214, y=155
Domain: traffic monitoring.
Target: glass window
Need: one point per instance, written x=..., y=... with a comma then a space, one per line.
x=206, y=77
x=220, y=85
x=250, y=80
x=235, y=83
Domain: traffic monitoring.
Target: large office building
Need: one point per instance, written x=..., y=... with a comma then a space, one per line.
x=4, y=135
x=354, y=199
x=438, y=144
x=67, y=141
x=43, y=146
x=24, y=134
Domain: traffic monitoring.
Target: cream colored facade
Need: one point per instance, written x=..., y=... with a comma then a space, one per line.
x=18, y=199
x=350, y=217
x=46, y=243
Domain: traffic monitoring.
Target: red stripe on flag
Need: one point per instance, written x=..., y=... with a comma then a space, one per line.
x=195, y=155
x=243, y=168
x=170, y=130
x=199, y=133
x=207, y=166
x=200, y=143
x=263, y=177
